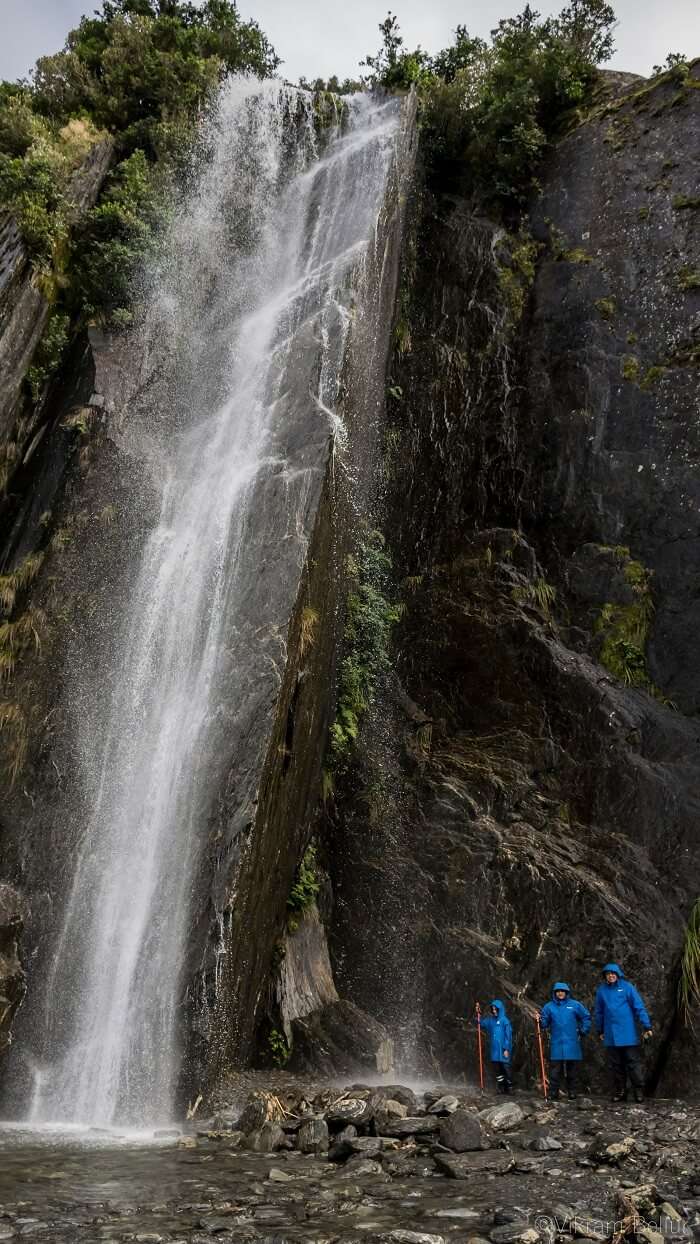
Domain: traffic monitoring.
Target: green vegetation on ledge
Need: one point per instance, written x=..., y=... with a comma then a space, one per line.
x=304, y=890
x=517, y=273
x=279, y=1047
x=370, y=617
x=623, y=629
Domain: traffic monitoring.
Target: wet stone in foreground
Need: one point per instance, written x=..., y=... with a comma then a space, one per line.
x=532, y=1184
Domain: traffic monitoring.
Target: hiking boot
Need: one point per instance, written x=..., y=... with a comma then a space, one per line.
x=639, y=1094
x=619, y=1097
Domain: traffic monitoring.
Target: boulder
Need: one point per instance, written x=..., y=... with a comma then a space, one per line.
x=466, y=1165
x=260, y=1108
x=276, y=1176
x=312, y=1136
x=444, y=1105
x=610, y=1149
x=363, y=1146
x=266, y=1139
x=649, y=1235
x=399, y=1092
x=388, y=1111
x=420, y=1126
x=355, y=1110
x=504, y=1117
x=462, y=1132
x=339, y=1038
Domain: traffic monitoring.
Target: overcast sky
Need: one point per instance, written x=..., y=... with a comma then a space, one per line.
x=317, y=38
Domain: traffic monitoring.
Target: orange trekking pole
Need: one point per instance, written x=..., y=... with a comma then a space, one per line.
x=545, y=1082
x=480, y=1047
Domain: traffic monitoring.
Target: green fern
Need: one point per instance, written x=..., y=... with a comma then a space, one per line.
x=304, y=890
x=279, y=1047
x=369, y=621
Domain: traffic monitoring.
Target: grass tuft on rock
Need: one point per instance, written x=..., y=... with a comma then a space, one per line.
x=370, y=618
x=689, y=983
x=624, y=628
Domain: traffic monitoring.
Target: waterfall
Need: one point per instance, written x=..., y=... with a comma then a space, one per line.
x=249, y=288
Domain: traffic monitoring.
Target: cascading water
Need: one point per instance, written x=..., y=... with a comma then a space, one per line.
x=252, y=270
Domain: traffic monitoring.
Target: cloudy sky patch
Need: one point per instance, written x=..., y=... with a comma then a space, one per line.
x=317, y=38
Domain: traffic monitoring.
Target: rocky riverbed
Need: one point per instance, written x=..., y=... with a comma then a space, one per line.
x=367, y=1164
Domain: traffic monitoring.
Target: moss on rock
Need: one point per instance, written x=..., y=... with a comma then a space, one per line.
x=623, y=628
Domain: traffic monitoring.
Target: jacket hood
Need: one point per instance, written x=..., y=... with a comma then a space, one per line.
x=613, y=967
x=499, y=1007
x=560, y=985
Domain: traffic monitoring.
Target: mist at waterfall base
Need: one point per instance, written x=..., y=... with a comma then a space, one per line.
x=254, y=264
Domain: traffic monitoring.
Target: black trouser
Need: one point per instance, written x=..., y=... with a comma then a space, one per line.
x=503, y=1079
x=566, y=1067
x=624, y=1061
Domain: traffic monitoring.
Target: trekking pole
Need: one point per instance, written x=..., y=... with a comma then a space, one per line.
x=545, y=1084
x=480, y=1047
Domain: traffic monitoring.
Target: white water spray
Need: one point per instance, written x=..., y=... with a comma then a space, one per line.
x=255, y=261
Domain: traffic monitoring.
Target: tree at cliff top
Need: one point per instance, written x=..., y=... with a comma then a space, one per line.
x=494, y=107
x=141, y=70
x=142, y=65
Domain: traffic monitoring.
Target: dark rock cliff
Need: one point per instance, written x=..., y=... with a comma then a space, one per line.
x=524, y=800
x=12, y=977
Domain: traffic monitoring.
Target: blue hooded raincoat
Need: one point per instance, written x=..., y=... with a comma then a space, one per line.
x=616, y=1009
x=566, y=1021
x=500, y=1033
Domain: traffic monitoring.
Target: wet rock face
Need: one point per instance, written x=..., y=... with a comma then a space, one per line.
x=23, y=315
x=338, y=1039
x=12, y=978
x=613, y=353
x=24, y=311
x=528, y=813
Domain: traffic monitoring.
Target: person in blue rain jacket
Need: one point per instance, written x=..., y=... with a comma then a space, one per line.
x=618, y=1011
x=500, y=1033
x=566, y=1021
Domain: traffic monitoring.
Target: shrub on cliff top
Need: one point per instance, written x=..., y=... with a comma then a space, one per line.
x=148, y=58
x=495, y=106
x=143, y=69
